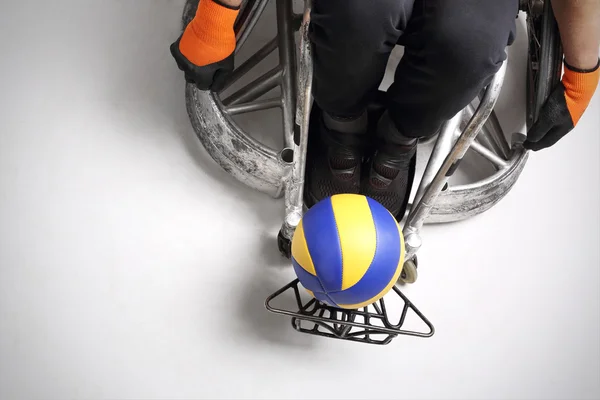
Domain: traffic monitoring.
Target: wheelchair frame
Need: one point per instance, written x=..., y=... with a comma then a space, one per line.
x=280, y=173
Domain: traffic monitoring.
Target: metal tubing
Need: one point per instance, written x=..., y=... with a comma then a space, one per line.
x=242, y=14
x=248, y=17
x=491, y=135
x=253, y=106
x=489, y=155
x=422, y=209
x=245, y=158
x=287, y=61
x=255, y=89
x=294, y=199
x=244, y=4
x=447, y=137
x=251, y=63
x=493, y=131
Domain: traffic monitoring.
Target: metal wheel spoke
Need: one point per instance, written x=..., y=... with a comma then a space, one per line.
x=255, y=89
x=250, y=63
x=491, y=135
x=253, y=106
x=446, y=140
x=247, y=19
x=488, y=155
x=287, y=59
x=493, y=132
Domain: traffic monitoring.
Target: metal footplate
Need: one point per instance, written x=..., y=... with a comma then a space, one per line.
x=374, y=324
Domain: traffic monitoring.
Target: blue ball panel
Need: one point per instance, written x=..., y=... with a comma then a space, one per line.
x=308, y=280
x=385, y=262
x=323, y=298
x=320, y=231
x=312, y=283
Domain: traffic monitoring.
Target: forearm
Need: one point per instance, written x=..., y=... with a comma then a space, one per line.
x=579, y=26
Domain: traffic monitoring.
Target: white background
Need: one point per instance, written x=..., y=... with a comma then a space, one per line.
x=131, y=266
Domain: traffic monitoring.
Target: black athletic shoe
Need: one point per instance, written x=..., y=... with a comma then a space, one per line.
x=390, y=177
x=333, y=164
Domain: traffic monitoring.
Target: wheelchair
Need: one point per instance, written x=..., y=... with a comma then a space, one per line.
x=280, y=172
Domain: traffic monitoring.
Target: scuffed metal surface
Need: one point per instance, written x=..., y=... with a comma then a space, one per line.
x=237, y=153
x=240, y=155
x=260, y=167
x=466, y=201
x=294, y=199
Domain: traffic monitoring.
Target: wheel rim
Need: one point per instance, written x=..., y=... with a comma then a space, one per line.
x=262, y=166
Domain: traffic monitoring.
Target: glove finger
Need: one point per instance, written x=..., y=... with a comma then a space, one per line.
x=550, y=139
x=551, y=114
x=529, y=145
x=534, y=146
x=539, y=129
x=199, y=83
x=557, y=131
x=219, y=80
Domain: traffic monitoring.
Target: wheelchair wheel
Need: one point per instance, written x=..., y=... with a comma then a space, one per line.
x=215, y=117
x=544, y=63
x=221, y=124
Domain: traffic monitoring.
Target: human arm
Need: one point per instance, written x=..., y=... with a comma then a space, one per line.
x=205, y=49
x=579, y=25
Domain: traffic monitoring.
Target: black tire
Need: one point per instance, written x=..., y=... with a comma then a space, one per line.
x=544, y=62
x=189, y=11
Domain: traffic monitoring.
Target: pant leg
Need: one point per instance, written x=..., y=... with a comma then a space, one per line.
x=352, y=43
x=452, y=50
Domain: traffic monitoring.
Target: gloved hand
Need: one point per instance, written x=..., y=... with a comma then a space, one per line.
x=204, y=52
x=564, y=107
x=206, y=77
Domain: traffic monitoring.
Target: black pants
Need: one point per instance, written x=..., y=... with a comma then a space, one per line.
x=452, y=49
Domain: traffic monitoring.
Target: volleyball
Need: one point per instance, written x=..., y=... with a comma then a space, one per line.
x=348, y=251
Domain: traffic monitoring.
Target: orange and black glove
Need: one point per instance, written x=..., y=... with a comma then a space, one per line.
x=204, y=52
x=564, y=107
